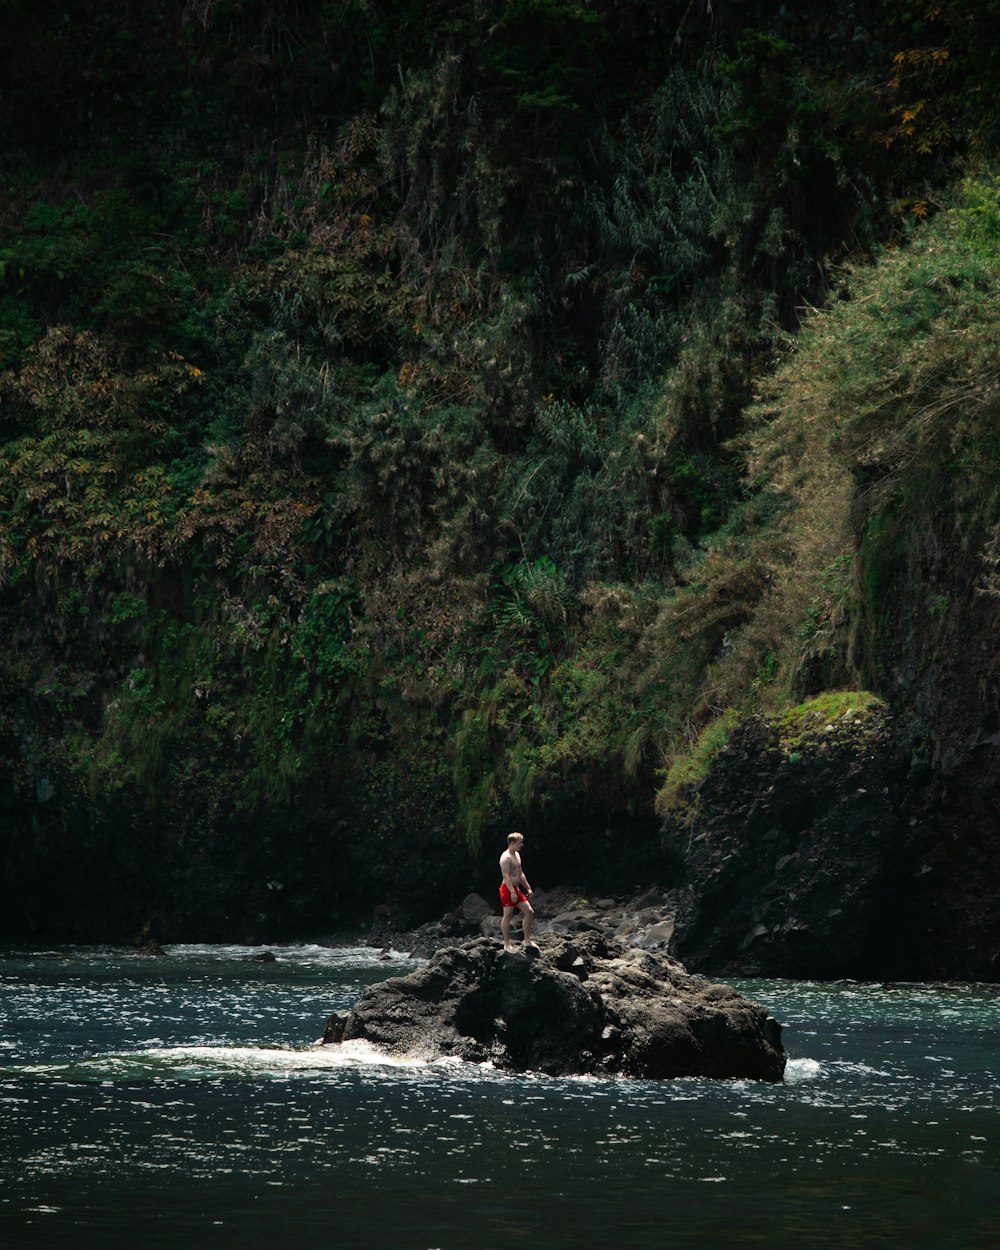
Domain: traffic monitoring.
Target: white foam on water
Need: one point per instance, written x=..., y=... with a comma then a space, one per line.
x=799, y=1070
x=206, y=1062
x=859, y=1069
x=278, y=1061
x=307, y=953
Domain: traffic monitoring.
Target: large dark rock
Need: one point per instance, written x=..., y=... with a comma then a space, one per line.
x=799, y=861
x=582, y=1005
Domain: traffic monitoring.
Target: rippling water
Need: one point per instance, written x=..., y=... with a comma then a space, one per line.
x=185, y=1103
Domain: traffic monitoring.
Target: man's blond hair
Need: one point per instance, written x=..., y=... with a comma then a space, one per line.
x=514, y=837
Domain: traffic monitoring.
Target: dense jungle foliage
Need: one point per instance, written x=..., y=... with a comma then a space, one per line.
x=467, y=407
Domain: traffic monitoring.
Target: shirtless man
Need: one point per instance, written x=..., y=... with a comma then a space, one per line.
x=515, y=893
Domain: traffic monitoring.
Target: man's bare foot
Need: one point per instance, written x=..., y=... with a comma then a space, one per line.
x=509, y=950
x=531, y=946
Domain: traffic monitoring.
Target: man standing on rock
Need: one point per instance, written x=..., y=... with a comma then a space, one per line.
x=515, y=893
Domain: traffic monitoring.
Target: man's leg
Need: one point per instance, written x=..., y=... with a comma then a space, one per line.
x=527, y=920
x=505, y=928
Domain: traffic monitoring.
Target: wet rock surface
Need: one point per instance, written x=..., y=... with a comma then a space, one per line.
x=582, y=1004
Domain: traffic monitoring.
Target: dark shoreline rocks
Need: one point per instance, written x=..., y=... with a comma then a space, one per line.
x=581, y=1005
x=643, y=919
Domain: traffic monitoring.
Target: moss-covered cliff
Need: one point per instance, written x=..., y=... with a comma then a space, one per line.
x=406, y=428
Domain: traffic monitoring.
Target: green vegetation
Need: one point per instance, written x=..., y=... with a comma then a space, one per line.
x=691, y=767
x=424, y=392
x=813, y=719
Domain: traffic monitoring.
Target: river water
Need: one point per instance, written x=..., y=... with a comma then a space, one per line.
x=185, y=1103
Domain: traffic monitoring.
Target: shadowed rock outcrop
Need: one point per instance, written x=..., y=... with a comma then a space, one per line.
x=582, y=1005
x=798, y=857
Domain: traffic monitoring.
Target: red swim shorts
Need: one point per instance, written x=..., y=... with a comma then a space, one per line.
x=507, y=901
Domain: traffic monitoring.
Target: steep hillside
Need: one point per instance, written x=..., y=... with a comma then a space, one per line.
x=375, y=449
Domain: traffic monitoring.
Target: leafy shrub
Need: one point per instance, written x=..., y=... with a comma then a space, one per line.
x=978, y=214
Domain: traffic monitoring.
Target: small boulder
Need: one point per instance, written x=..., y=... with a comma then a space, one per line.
x=474, y=908
x=648, y=898
x=333, y=1030
x=657, y=936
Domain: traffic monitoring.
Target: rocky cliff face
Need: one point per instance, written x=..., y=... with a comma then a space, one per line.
x=794, y=859
x=934, y=630
x=848, y=856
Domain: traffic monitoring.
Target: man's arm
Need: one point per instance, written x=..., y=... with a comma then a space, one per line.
x=508, y=866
